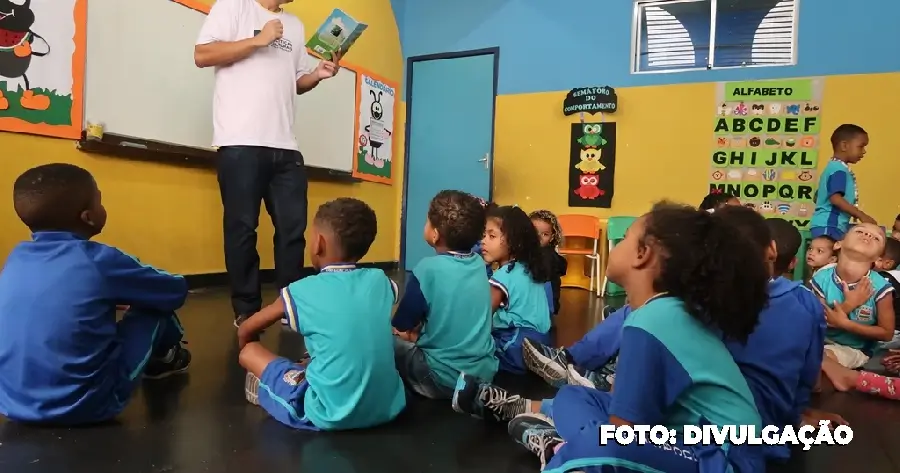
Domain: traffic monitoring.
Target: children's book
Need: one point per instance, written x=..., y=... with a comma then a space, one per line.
x=337, y=33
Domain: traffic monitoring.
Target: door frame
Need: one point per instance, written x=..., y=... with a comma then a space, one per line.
x=495, y=51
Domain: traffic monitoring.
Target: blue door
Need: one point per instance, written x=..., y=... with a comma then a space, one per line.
x=451, y=130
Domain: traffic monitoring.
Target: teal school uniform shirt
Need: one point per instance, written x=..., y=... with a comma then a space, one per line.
x=827, y=285
x=835, y=179
x=525, y=304
x=695, y=378
x=344, y=315
x=450, y=294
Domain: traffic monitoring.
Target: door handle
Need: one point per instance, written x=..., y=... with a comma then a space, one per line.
x=485, y=159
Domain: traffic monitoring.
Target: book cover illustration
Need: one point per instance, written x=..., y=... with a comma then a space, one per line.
x=337, y=33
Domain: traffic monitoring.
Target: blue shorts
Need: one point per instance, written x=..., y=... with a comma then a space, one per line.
x=834, y=233
x=282, y=387
x=508, y=347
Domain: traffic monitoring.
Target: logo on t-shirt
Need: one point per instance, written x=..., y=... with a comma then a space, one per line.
x=282, y=44
x=864, y=314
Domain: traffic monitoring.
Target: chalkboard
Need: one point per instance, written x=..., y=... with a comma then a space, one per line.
x=591, y=100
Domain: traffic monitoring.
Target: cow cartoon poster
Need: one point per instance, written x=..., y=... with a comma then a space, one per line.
x=376, y=103
x=42, y=47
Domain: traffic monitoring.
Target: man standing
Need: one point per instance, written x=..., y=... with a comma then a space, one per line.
x=259, y=54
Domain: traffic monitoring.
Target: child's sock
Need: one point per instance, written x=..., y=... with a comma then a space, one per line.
x=871, y=383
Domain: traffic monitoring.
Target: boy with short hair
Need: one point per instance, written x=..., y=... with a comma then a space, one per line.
x=837, y=199
x=864, y=307
x=443, y=323
x=820, y=254
x=63, y=357
x=343, y=313
x=787, y=242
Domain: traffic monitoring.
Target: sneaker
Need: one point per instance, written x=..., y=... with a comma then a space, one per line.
x=482, y=400
x=547, y=362
x=175, y=362
x=536, y=433
x=579, y=378
x=240, y=318
x=251, y=389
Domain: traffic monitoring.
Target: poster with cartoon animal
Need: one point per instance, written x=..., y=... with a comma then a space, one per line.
x=375, y=128
x=42, y=47
x=592, y=165
x=766, y=142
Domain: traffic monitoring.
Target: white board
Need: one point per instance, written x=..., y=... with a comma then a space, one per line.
x=141, y=81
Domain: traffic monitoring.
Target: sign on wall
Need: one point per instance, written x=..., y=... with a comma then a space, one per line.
x=590, y=100
x=766, y=145
x=592, y=165
x=376, y=107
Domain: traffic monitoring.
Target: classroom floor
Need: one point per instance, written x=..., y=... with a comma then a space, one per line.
x=201, y=423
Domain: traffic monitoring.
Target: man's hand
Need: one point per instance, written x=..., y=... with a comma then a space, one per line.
x=272, y=31
x=813, y=416
x=329, y=69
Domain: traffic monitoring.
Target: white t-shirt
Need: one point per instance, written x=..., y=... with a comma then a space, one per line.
x=253, y=100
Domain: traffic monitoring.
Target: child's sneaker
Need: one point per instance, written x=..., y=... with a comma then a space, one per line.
x=577, y=378
x=536, y=433
x=251, y=389
x=483, y=400
x=547, y=362
x=175, y=362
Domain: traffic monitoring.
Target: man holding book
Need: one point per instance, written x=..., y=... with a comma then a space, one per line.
x=260, y=63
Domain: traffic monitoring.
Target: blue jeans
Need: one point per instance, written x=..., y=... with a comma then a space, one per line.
x=247, y=176
x=415, y=372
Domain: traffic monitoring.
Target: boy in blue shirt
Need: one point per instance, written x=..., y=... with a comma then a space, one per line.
x=343, y=313
x=837, y=199
x=866, y=314
x=63, y=357
x=443, y=322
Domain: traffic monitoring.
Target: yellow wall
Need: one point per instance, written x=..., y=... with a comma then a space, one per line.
x=171, y=217
x=664, y=144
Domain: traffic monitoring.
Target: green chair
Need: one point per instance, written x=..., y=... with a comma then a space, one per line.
x=800, y=266
x=615, y=232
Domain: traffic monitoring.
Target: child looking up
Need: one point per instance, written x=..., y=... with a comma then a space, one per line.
x=865, y=309
x=518, y=298
x=447, y=302
x=820, y=254
x=717, y=199
x=550, y=236
x=63, y=357
x=691, y=279
x=837, y=199
x=344, y=315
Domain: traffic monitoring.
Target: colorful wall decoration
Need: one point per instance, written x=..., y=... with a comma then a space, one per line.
x=766, y=145
x=592, y=165
x=376, y=107
x=42, y=47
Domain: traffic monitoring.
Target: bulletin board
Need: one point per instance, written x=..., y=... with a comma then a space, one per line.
x=765, y=145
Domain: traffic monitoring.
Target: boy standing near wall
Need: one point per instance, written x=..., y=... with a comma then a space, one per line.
x=837, y=199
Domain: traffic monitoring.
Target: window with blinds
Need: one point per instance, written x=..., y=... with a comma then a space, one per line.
x=672, y=35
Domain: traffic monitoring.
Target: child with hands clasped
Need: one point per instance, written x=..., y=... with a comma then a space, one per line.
x=344, y=315
x=518, y=297
x=860, y=307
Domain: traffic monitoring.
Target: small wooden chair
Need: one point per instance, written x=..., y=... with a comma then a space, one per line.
x=582, y=226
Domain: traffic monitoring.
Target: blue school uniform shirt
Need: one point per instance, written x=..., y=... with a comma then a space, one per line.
x=525, y=303
x=694, y=379
x=827, y=285
x=783, y=356
x=344, y=315
x=835, y=179
x=450, y=294
x=59, y=348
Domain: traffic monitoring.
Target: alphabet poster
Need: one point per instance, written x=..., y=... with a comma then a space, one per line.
x=375, y=128
x=42, y=47
x=766, y=137
x=592, y=165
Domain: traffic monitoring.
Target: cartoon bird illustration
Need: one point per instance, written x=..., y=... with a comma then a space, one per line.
x=17, y=46
x=592, y=137
x=588, y=187
x=590, y=161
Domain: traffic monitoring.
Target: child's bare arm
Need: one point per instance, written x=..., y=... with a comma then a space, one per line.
x=497, y=298
x=840, y=202
x=260, y=321
x=883, y=331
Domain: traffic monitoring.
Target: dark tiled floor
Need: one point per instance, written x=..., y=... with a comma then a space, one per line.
x=201, y=423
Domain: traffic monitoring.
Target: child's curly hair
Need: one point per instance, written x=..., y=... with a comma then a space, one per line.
x=549, y=218
x=521, y=239
x=458, y=217
x=715, y=199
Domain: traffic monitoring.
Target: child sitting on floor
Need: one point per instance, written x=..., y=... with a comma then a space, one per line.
x=820, y=254
x=344, y=314
x=717, y=199
x=518, y=296
x=692, y=280
x=550, y=236
x=446, y=304
x=63, y=357
x=865, y=310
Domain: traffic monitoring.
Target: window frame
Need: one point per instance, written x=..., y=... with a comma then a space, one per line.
x=713, y=10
